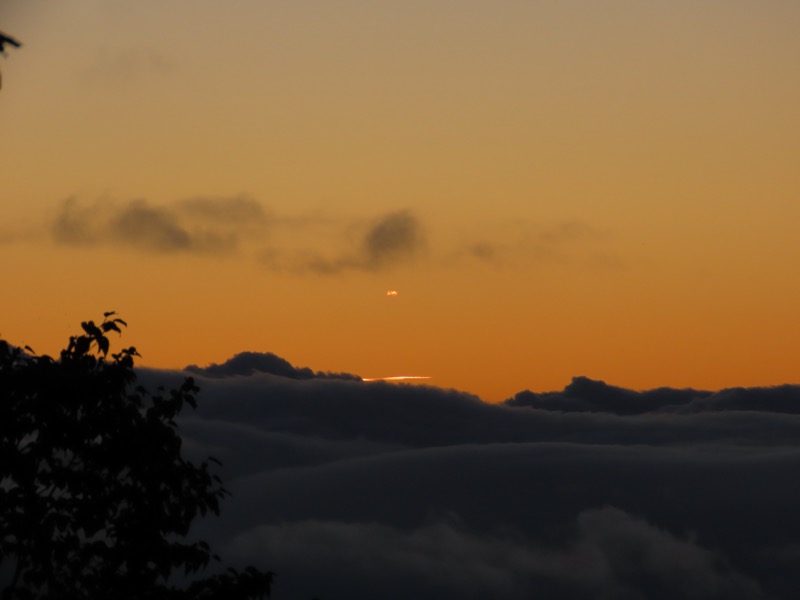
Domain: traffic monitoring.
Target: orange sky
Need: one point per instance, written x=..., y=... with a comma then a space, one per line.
x=554, y=188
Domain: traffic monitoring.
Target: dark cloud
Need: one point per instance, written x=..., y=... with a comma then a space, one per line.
x=391, y=240
x=586, y=395
x=432, y=417
x=395, y=237
x=368, y=489
x=198, y=226
x=248, y=363
x=150, y=228
x=607, y=554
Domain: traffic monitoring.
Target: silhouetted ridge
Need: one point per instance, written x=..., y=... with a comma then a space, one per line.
x=249, y=363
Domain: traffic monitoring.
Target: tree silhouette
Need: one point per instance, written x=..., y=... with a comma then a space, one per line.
x=96, y=499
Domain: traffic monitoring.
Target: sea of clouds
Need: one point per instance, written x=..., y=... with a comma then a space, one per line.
x=362, y=490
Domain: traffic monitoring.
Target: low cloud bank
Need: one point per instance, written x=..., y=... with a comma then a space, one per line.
x=363, y=489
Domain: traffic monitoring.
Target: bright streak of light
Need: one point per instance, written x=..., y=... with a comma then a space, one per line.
x=396, y=378
x=391, y=293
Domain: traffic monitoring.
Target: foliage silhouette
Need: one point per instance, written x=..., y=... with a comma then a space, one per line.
x=96, y=500
x=5, y=39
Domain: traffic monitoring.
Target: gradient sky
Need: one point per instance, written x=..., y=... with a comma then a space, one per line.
x=554, y=188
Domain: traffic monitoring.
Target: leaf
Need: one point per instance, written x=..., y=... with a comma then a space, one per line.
x=110, y=326
x=90, y=328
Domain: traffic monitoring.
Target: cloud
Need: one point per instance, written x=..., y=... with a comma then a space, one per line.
x=391, y=240
x=312, y=244
x=395, y=237
x=362, y=489
x=194, y=226
x=607, y=554
x=224, y=226
x=371, y=558
x=572, y=241
x=615, y=555
x=138, y=224
x=248, y=363
x=586, y=395
x=239, y=210
x=426, y=416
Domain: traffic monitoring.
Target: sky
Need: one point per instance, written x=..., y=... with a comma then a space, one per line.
x=554, y=189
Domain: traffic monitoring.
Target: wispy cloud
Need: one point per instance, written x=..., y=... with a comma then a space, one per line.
x=303, y=244
x=309, y=245
x=391, y=240
x=194, y=226
x=566, y=242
